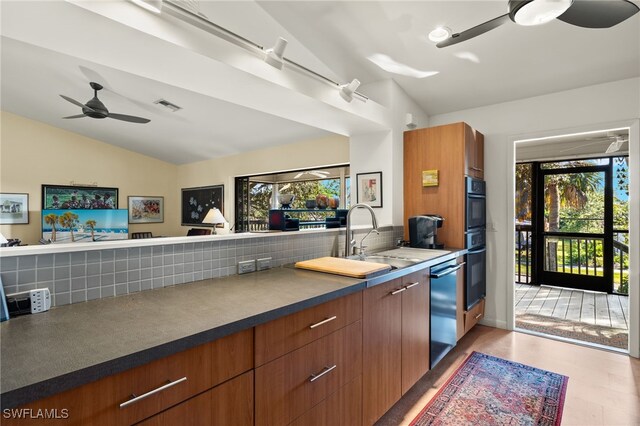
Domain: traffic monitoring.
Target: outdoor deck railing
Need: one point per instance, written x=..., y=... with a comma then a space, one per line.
x=523, y=254
x=575, y=255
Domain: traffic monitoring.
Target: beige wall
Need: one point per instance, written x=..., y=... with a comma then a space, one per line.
x=33, y=153
x=307, y=154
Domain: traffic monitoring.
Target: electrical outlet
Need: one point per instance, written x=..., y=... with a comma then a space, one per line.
x=246, y=266
x=264, y=263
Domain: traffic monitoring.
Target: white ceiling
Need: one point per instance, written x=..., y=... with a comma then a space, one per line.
x=589, y=145
x=332, y=38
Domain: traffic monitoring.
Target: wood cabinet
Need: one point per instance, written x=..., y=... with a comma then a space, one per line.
x=112, y=400
x=230, y=403
x=395, y=341
x=289, y=386
x=415, y=328
x=290, y=332
x=309, y=366
x=474, y=153
x=455, y=151
x=472, y=316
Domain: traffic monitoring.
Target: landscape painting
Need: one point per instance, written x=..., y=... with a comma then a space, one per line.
x=78, y=197
x=14, y=209
x=72, y=226
x=196, y=202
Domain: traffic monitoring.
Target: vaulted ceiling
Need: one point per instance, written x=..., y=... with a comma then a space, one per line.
x=334, y=39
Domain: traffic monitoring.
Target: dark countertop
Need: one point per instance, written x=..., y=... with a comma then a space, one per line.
x=47, y=353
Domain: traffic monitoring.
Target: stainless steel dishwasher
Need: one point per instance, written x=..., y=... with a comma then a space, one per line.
x=443, y=309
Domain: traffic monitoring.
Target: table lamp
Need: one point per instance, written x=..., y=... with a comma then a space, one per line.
x=214, y=217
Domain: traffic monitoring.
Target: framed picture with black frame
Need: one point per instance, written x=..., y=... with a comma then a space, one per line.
x=369, y=189
x=196, y=203
x=71, y=197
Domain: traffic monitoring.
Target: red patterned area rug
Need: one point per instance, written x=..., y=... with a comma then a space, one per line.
x=487, y=391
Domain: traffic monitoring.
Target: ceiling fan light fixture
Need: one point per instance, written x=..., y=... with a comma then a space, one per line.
x=275, y=56
x=347, y=90
x=440, y=34
x=154, y=6
x=536, y=12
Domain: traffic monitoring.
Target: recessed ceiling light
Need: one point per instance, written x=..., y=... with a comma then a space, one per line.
x=440, y=34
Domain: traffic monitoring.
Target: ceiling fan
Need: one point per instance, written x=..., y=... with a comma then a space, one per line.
x=617, y=141
x=582, y=13
x=94, y=108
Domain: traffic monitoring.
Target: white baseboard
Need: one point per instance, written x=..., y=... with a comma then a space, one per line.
x=492, y=322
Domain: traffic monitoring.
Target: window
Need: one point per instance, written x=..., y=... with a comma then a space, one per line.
x=256, y=195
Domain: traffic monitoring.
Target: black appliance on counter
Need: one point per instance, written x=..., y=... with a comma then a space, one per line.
x=442, y=299
x=475, y=233
x=423, y=231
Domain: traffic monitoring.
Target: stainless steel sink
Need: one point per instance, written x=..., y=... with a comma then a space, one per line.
x=394, y=262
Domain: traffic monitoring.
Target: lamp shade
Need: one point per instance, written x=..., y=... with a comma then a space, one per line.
x=3, y=240
x=214, y=217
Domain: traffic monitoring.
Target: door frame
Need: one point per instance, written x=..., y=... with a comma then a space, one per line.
x=509, y=230
x=564, y=279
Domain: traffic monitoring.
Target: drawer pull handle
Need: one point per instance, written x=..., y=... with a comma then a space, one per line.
x=152, y=392
x=400, y=290
x=478, y=316
x=412, y=285
x=318, y=324
x=315, y=377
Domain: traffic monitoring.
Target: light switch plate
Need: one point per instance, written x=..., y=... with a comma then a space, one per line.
x=246, y=267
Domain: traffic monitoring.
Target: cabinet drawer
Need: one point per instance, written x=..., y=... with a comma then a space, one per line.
x=230, y=403
x=288, y=333
x=474, y=315
x=163, y=381
x=292, y=384
x=343, y=408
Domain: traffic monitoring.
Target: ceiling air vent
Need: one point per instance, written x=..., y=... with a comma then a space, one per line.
x=165, y=103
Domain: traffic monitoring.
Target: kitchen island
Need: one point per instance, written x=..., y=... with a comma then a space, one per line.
x=74, y=345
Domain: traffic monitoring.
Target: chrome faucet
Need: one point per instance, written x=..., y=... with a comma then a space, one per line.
x=350, y=242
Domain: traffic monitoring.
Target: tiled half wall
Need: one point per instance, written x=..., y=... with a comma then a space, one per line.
x=94, y=274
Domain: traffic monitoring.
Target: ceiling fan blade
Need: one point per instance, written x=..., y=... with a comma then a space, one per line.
x=475, y=31
x=298, y=175
x=76, y=116
x=129, y=118
x=599, y=13
x=73, y=101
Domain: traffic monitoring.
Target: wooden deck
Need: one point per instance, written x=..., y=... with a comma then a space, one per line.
x=607, y=310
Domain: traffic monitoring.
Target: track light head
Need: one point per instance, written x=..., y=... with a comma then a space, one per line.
x=274, y=56
x=346, y=91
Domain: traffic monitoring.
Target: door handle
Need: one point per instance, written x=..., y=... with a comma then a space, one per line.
x=446, y=272
x=323, y=322
x=412, y=285
x=324, y=371
x=400, y=290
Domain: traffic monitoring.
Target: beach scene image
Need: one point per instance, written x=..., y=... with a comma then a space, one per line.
x=69, y=226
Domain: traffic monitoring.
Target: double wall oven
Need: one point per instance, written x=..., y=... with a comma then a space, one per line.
x=475, y=233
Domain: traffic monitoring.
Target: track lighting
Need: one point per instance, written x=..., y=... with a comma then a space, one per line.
x=154, y=6
x=274, y=57
x=347, y=90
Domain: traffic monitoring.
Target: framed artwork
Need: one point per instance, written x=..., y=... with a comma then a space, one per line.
x=84, y=225
x=65, y=197
x=14, y=209
x=369, y=188
x=145, y=209
x=196, y=203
